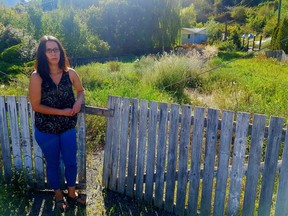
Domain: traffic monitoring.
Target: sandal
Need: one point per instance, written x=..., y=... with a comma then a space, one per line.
x=61, y=205
x=77, y=200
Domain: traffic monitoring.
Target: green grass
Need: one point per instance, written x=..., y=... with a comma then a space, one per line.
x=254, y=85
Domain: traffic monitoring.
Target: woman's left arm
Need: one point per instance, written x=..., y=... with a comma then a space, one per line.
x=76, y=82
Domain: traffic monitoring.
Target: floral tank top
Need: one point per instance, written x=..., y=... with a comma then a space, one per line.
x=59, y=96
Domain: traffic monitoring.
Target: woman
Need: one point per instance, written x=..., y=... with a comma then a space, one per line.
x=52, y=99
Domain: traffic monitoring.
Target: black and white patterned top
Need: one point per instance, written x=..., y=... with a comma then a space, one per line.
x=59, y=96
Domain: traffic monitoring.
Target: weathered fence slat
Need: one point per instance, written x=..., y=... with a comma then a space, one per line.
x=255, y=154
x=161, y=151
x=141, y=148
x=242, y=124
x=132, y=147
x=281, y=208
x=26, y=144
x=150, y=162
x=6, y=152
x=183, y=159
x=197, y=141
x=209, y=160
x=108, y=146
x=15, y=136
x=38, y=157
x=171, y=160
x=81, y=151
x=115, y=144
x=223, y=162
x=271, y=158
x=123, y=144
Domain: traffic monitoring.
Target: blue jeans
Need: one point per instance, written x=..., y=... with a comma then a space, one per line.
x=54, y=145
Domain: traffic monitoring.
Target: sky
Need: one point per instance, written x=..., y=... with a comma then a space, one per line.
x=12, y=2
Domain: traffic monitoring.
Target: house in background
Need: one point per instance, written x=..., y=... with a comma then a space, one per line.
x=193, y=35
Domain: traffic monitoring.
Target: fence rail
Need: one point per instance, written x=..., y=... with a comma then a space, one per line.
x=188, y=161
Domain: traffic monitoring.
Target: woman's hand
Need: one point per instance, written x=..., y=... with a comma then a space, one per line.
x=67, y=112
x=76, y=107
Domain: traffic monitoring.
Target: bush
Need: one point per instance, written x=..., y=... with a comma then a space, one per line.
x=9, y=36
x=12, y=55
x=114, y=66
x=227, y=46
x=173, y=73
x=7, y=71
x=14, y=196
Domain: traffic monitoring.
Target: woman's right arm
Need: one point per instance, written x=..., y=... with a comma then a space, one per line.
x=35, y=98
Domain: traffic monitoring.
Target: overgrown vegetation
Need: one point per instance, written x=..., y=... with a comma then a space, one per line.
x=95, y=29
x=14, y=197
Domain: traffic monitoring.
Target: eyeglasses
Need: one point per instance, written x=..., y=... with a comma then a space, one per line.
x=55, y=50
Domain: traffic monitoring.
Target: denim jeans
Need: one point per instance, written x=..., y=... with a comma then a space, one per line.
x=53, y=146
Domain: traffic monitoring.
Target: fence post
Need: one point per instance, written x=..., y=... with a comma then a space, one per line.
x=256, y=144
x=270, y=166
x=183, y=159
x=108, y=146
x=282, y=194
x=197, y=142
x=172, y=157
x=4, y=138
x=25, y=132
x=161, y=150
x=242, y=124
x=38, y=157
x=123, y=145
x=15, y=135
x=81, y=152
x=223, y=162
x=132, y=147
x=209, y=160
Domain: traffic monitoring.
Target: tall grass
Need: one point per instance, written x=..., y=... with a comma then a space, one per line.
x=255, y=85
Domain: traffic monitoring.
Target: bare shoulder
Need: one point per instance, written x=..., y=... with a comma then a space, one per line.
x=35, y=77
x=72, y=73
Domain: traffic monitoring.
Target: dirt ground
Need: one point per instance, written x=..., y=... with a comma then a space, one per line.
x=99, y=201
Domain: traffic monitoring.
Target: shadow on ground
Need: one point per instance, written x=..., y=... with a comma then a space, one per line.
x=114, y=204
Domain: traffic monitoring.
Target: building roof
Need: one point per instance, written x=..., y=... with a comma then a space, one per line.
x=193, y=30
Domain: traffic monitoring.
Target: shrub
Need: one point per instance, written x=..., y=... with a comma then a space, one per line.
x=12, y=55
x=173, y=73
x=114, y=66
x=9, y=36
x=14, y=196
x=227, y=46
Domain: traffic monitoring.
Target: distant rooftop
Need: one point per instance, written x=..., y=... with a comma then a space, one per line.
x=193, y=30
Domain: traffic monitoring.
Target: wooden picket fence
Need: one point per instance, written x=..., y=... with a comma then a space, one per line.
x=187, y=160
x=196, y=164
x=20, y=151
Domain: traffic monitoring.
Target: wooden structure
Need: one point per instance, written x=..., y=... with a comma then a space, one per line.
x=184, y=159
x=193, y=35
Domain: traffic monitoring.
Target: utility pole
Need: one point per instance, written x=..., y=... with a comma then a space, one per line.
x=279, y=10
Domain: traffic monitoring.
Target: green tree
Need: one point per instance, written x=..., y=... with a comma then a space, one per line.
x=239, y=14
x=188, y=16
x=281, y=37
x=214, y=31
x=34, y=24
x=9, y=36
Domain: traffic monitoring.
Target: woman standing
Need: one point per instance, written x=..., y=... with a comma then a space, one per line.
x=52, y=99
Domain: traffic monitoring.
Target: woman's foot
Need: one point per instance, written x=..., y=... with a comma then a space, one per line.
x=61, y=205
x=79, y=199
x=60, y=201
